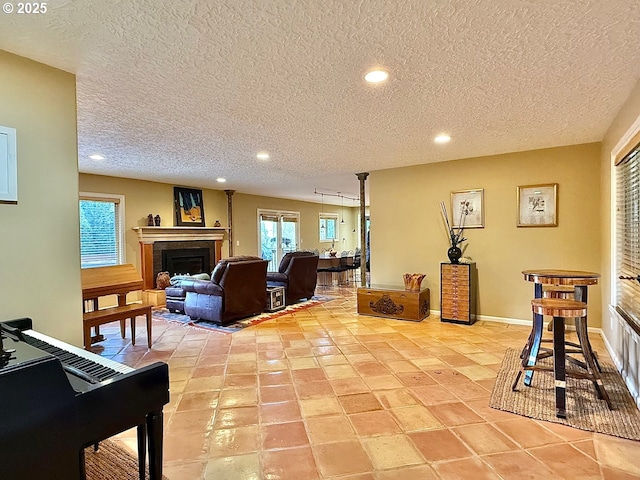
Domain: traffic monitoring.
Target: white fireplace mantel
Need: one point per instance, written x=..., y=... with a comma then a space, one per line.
x=178, y=234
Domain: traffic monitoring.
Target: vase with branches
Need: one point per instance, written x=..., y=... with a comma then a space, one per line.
x=455, y=233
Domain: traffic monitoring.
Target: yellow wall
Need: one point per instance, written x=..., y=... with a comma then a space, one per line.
x=142, y=198
x=39, y=244
x=408, y=233
x=245, y=215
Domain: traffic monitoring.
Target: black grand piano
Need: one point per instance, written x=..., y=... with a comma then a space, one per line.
x=56, y=400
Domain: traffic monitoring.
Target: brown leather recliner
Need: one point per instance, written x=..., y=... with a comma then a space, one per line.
x=237, y=289
x=298, y=274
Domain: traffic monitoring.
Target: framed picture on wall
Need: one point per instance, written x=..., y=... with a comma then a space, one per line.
x=189, y=207
x=538, y=205
x=467, y=208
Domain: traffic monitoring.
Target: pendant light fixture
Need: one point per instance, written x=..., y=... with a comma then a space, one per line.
x=342, y=200
x=353, y=205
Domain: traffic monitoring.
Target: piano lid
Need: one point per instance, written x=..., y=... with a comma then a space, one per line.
x=23, y=356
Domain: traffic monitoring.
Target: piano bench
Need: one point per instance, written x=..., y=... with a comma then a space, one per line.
x=112, y=314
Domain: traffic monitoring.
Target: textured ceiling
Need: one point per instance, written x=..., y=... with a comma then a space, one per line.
x=184, y=92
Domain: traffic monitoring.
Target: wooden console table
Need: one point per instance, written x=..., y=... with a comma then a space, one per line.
x=394, y=302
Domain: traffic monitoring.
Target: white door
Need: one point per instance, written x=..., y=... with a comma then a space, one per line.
x=278, y=234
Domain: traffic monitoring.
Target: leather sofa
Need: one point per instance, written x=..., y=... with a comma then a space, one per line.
x=298, y=274
x=237, y=289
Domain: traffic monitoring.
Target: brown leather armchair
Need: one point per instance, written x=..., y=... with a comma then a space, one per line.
x=237, y=289
x=297, y=273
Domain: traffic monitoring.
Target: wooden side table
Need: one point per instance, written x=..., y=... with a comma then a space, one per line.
x=458, y=283
x=155, y=297
x=275, y=299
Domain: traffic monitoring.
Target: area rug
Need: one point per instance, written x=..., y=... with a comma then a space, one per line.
x=584, y=410
x=165, y=314
x=111, y=462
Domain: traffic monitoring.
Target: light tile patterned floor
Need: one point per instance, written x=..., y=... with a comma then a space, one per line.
x=327, y=394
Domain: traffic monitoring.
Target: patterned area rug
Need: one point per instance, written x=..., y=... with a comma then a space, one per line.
x=165, y=314
x=584, y=410
x=111, y=462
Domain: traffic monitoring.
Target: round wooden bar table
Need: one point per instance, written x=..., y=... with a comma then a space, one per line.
x=580, y=280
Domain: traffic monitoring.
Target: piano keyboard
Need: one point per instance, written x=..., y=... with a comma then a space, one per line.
x=86, y=365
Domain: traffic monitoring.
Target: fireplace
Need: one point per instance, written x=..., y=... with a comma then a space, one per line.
x=186, y=261
x=186, y=243
x=184, y=257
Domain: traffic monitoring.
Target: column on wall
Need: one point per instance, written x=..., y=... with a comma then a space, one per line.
x=363, y=233
x=230, y=218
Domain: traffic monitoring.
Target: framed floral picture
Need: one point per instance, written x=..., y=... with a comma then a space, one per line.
x=189, y=207
x=538, y=205
x=467, y=208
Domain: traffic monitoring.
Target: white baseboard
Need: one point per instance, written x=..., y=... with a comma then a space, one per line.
x=519, y=321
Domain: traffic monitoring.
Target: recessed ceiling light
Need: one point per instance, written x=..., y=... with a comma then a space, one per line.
x=262, y=156
x=376, y=76
x=221, y=180
x=442, y=138
x=96, y=156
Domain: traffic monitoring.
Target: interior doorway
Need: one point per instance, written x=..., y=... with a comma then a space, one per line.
x=278, y=233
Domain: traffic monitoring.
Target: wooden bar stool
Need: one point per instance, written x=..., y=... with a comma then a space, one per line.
x=560, y=309
x=565, y=292
x=557, y=291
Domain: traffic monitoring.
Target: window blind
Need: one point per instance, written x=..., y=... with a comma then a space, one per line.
x=99, y=232
x=628, y=237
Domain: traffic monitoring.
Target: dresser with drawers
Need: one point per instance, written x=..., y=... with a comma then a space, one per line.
x=458, y=284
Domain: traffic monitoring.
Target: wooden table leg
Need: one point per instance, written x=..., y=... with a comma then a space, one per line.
x=534, y=339
x=133, y=330
x=149, y=336
x=559, y=371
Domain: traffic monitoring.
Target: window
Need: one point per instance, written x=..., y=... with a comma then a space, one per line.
x=628, y=237
x=101, y=230
x=328, y=227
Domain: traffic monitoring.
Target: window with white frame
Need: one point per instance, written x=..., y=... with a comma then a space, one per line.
x=328, y=227
x=628, y=238
x=101, y=230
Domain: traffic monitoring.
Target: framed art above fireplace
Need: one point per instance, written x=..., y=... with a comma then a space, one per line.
x=189, y=207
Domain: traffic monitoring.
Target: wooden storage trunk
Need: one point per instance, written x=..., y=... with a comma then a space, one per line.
x=394, y=302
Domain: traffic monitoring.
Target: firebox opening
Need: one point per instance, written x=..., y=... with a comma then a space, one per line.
x=185, y=261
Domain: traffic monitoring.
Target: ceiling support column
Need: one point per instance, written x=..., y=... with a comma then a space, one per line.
x=230, y=218
x=364, y=248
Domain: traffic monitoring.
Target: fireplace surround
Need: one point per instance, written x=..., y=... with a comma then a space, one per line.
x=178, y=241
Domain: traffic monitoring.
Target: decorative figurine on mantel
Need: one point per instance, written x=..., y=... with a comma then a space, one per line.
x=150, y=220
x=217, y=224
x=157, y=220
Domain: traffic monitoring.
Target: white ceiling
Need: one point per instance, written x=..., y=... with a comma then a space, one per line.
x=184, y=92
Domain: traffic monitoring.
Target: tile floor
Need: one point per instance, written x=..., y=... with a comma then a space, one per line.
x=327, y=394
